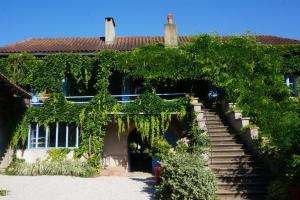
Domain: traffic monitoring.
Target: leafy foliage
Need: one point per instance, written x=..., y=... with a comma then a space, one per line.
x=3, y=192
x=185, y=177
x=151, y=114
x=160, y=148
x=73, y=167
x=58, y=154
x=242, y=71
x=198, y=140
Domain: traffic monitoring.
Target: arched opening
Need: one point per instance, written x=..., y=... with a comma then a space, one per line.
x=139, y=159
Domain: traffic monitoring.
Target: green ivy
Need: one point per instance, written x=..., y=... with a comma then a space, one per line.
x=242, y=70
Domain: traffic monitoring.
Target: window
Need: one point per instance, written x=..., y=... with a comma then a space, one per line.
x=291, y=82
x=58, y=135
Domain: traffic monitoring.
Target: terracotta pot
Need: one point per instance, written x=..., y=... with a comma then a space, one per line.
x=157, y=175
x=295, y=192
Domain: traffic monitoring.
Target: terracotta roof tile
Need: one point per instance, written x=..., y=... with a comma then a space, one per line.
x=94, y=44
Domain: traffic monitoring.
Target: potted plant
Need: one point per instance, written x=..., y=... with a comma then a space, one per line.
x=159, y=149
x=294, y=177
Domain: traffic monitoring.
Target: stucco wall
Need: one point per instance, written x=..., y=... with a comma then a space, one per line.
x=115, y=150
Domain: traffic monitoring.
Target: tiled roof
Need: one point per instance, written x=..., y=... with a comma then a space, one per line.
x=94, y=44
x=15, y=88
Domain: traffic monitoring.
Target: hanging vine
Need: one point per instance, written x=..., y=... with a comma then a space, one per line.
x=242, y=70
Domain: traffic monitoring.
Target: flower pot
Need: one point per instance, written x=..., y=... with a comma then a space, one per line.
x=157, y=175
x=155, y=163
x=295, y=192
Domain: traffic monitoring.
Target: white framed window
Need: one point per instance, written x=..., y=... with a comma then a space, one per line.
x=57, y=135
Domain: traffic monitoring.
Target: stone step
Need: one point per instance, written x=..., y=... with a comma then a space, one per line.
x=212, y=118
x=228, y=141
x=218, y=139
x=218, y=129
x=243, y=178
x=207, y=115
x=226, y=146
x=239, y=175
x=220, y=134
x=242, y=186
x=238, y=170
x=241, y=195
x=213, y=122
x=225, y=152
x=216, y=126
x=233, y=164
x=242, y=158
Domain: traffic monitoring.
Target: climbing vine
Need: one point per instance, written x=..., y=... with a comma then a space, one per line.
x=241, y=70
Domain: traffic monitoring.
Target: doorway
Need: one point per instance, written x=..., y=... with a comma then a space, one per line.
x=139, y=159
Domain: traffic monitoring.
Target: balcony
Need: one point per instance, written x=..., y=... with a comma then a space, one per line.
x=128, y=98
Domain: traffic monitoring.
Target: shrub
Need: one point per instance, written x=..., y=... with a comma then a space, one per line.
x=160, y=148
x=277, y=190
x=182, y=146
x=58, y=154
x=294, y=170
x=185, y=177
x=56, y=167
x=198, y=140
x=3, y=192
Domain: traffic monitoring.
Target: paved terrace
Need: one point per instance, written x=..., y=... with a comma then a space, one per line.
x=75, y=188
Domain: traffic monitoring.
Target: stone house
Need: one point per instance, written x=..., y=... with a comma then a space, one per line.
x=116, y=153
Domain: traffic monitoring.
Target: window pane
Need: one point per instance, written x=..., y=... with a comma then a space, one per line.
x=51, y=137
x=32, y=135
x=62, y=135
x=72, y=135
x=42, y=135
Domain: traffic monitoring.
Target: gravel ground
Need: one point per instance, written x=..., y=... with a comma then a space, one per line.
x=74, y=188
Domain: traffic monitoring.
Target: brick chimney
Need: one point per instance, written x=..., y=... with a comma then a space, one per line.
x=110, y=32
x=170, y=34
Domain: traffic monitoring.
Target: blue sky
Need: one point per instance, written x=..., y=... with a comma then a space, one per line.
x=21, y=19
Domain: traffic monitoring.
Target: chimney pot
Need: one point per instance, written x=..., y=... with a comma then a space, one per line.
x=170, y=34
x=110, y=32
x=170, y=18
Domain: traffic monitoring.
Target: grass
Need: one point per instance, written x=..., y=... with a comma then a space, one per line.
x=63, y=167
x=3, y=192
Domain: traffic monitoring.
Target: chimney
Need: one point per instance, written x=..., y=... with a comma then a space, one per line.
x=170, y=32
x=110, y=32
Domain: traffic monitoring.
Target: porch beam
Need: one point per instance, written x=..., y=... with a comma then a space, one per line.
x=77, y=136
x=28, y=138
x=67, y=136
x=56, y=135
x=36, y=136
x=46, y=137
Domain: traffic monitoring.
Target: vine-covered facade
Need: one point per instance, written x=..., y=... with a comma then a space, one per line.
x=91, y=94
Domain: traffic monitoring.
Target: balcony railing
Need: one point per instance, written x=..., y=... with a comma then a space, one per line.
x=39, y=100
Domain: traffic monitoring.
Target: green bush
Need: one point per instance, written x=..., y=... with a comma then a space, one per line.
x=56, y=167
x=294, y=170
x=184, y=176
x=198, y=140
x=278, y=190
x=58, y=154
x=182, y=146
x=160, y=148
x=3, y=192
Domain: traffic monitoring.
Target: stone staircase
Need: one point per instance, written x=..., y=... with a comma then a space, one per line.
x=240, y=175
